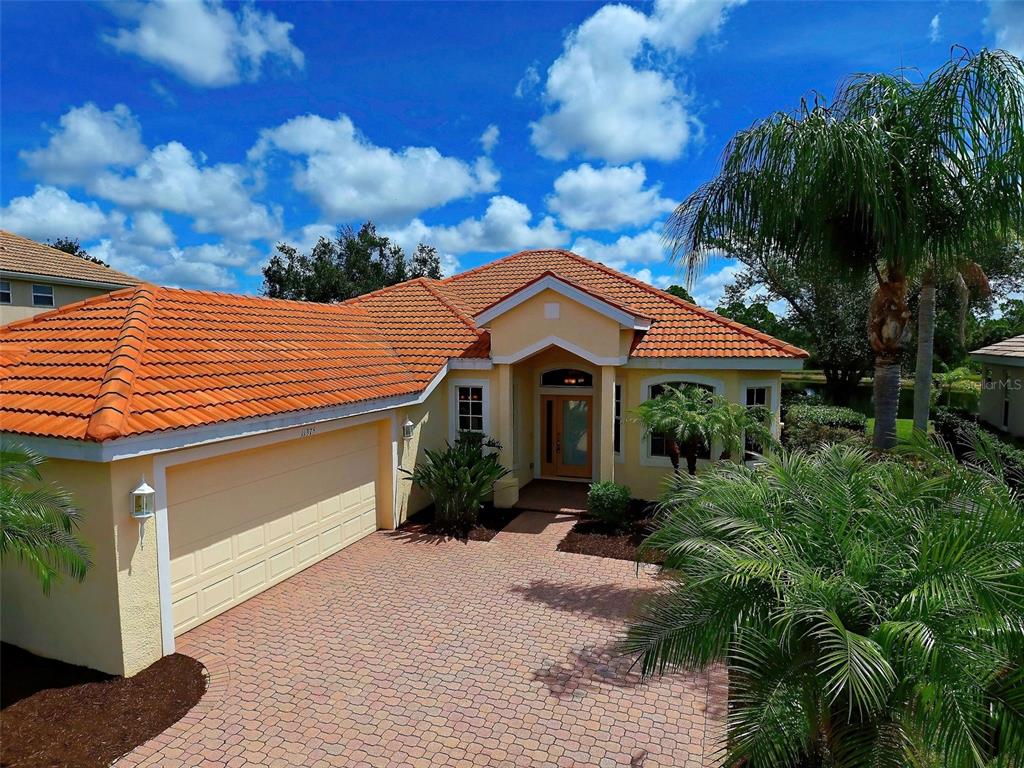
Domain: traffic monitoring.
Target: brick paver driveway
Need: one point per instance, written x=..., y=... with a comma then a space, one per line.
x=408, y=650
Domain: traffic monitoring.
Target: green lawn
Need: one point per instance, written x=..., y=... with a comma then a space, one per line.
x=904, y=429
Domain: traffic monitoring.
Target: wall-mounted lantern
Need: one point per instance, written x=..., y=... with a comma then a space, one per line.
x=143, y=501
x=143, y=505
x=407, y=429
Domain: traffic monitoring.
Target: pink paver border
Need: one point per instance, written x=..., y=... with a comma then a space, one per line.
x=218, y=673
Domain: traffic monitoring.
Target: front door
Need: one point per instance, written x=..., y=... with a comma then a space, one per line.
x=566, y=435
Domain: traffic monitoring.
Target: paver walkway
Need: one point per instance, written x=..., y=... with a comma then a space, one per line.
x=410, y=650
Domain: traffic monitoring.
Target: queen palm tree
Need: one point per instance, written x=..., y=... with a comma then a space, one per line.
x=869, y=613
x=37, y=521
x=690, y=417
x=895, y=176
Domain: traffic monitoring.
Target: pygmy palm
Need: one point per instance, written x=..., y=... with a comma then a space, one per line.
x=37, y=521
x=690, y=417
x=868, y=612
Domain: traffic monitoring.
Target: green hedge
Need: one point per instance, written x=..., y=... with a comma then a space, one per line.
x=608, y=502
x=958, y=428
x=827, y=416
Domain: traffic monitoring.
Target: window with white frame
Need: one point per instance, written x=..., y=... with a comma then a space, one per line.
x=42, y=295
x=657, y=445
x=756, y=397
x=617, y=430
x=470, y=406
x=5, y=291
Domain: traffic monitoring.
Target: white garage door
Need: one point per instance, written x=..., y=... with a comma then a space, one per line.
x=242, y=522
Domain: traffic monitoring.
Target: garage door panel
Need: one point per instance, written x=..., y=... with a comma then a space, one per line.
x=251, y=579
x=301, y=503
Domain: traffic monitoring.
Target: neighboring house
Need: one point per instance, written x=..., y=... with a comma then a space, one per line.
x=1002, y=385
x=36, y=278
x=275, y=432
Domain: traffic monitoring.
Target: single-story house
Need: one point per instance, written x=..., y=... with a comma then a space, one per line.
x=274, y=432
x=36, y=278
x=1002, y=385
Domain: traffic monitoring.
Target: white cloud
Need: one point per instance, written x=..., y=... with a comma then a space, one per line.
x=87, y=141
x=489, y=138
x=935, y=29
x=1006, y=21
x=217, y=197
x=603, y=101
x=149, y=228
x=203, y=42
x=607, y=198
x=505, y=226
x=528, y=83
x=350, y=178
x=103, y=153
x=644, y=248
x=710, y=288
x=49, y=213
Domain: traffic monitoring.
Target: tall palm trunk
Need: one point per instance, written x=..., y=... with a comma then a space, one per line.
x=925, y=352
x=888, y=323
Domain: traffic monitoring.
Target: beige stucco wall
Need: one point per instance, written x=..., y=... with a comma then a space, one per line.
x=633, y=469
x=21, y=298
x=433, y=426
x=1007, y=385
x=526, y=325
x=107, y=622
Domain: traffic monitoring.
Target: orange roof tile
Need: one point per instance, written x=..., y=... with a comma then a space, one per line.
x=147, y=359
x=680, y=329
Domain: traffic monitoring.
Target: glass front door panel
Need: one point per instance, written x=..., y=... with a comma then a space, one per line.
x=575, y=433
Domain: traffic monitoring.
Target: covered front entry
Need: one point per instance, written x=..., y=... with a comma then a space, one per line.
x=567, y=435
x=243, y=522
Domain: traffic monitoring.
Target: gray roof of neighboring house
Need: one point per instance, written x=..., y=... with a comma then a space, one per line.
x=20, y=256
x=1009, y=351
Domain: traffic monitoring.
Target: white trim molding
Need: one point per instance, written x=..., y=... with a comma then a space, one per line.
x=625, y=319
x=558, y=341
x=774, y=398
x=719, y=363
x=453, y=405
x=32, y=277
x=1007, y=360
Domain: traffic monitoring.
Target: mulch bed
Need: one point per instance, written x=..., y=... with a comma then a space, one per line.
x=488, y=524
x=592, y=537
x=57, y=714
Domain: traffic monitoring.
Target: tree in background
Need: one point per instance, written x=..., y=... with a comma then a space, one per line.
x=72, y=246
x=353, y=263
x=825, y=313
x=38, y=522
x=680, y=293
x=892, y=179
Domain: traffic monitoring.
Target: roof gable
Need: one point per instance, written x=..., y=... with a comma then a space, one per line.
x=548, y=280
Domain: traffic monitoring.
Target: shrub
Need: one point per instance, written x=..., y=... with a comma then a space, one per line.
x=967, y=438
x=808, y=426
x=459, y=479
x=868, y=611
x=608, y=502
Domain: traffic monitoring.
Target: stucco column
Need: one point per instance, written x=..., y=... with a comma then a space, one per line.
x=606, y=449
x=506, y=490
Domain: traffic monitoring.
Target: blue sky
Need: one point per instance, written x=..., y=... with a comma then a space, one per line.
x=181, y=141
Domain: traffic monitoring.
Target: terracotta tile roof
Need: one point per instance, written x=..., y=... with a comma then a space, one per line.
x=19, y=254
x=1012, y=347
x=147, y=359
x=680, y=329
